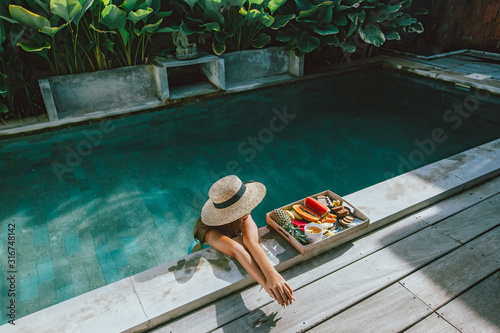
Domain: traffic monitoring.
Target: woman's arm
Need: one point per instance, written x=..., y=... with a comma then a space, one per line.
x=281, y=291
x=234, y=249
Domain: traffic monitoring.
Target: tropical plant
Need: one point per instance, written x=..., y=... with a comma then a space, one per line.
x=134, y=21
x=234, y=25
x=349, y=25
x=17, y=93
x=72, y=36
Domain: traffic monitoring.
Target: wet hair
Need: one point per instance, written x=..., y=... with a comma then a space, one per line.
x=231, y=230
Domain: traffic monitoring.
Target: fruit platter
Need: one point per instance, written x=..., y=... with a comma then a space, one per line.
x=318, y=221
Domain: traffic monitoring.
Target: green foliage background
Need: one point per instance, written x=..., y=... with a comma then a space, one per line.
x=40, y=38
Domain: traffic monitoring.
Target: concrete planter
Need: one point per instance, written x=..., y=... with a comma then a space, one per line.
x=115, y=90
x=258, y=64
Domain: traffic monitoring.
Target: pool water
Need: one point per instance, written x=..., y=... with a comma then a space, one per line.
x=98, y=203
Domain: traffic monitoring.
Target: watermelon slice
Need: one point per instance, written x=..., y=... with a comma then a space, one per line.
x=317, y=206
x=299, y=224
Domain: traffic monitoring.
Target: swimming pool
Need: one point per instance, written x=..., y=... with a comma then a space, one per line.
x=97, y=203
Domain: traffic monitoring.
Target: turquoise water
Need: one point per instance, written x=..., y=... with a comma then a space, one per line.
x=97, y=203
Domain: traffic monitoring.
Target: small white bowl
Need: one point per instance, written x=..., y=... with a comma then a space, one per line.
x=313, y=237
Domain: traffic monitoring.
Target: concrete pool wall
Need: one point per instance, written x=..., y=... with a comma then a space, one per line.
x=161, y=294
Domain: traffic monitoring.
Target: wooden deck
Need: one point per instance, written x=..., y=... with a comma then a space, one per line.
x=437, y=270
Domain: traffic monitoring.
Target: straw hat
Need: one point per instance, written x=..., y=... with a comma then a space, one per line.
x=231, y=199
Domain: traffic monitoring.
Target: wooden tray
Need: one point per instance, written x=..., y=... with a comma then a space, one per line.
x=305, y=249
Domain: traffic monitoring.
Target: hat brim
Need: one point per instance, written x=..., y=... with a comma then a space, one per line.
x=254, y=194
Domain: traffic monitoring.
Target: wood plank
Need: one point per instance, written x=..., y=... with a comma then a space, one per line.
x=467, y=224
x=459, y=202
x=444, y=279
x=341, y=289
x=241, y=303
x=390, y=310
x=477, y=310
x=432, y=323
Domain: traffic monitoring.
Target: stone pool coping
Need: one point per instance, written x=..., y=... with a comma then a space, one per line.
x=158, y=295
x=405, y=64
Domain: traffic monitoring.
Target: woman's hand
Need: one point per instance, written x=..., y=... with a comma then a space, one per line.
x=279, y=289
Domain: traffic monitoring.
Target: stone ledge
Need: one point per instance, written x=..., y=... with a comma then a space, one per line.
x=153, y=297
x=403, y=64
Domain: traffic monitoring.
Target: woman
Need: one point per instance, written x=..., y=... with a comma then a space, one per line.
x=226, y=224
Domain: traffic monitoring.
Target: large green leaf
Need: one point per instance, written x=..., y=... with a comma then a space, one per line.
x=34, y=48
x=8, y=19
x=51, y=31
x=139, y=14
x=45, y=5
x=254, y=2
x=218, y=48
x=348, y=47
x=392, y=35
x=285, y=35
x=406, y=3
x=339, y=19
x=66, y=9
x=220, y=36
x=273, y=5
x=189, y=28
x=86, y=4
x=329, y=29
x=129, y=5
x=402, y=21
x=27, y=18
x=168, y=29
x=281, y=20
x=191, y=3
x=331, y=40
x=261, y=40
x=125, y=35
x=150, y=28
x=113, y=17
x=307, y=43
x=211, y=26
x=371, y=34
x=254, y=15
x=212, y=9
x=325, y=15
x=416, y=27
x=91, y=26
x=317, y=14
x=358, y=17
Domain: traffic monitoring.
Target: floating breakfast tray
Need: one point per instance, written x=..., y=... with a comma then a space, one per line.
x=360, y=222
